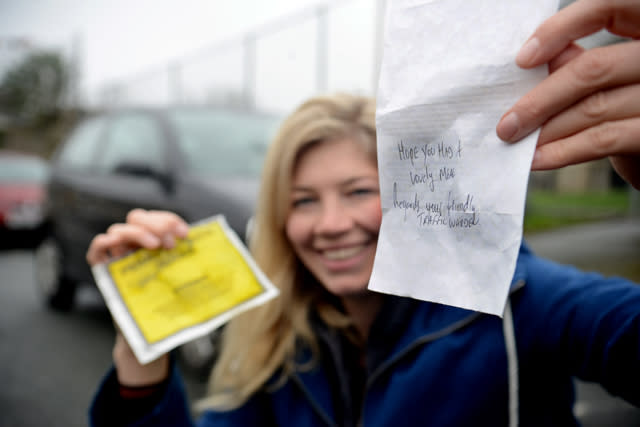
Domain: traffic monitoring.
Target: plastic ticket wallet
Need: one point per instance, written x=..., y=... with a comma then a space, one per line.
x=163, y=298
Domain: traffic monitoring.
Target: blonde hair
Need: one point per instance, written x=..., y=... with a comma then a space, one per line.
x=262, y=342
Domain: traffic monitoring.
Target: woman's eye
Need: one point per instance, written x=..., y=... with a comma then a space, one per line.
x=301, y=201
x=361, y=191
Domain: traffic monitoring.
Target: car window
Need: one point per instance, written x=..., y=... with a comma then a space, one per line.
x=16, y=169
x=80, y=148
x=223, y=143
x=133, y=139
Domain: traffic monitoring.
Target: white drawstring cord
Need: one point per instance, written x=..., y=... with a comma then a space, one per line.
x=512, y=363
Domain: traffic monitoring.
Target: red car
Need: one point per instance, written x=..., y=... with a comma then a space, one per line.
x=22, y=199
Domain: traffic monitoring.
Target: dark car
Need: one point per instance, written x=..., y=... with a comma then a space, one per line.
x=22, y=199
x=196, y=162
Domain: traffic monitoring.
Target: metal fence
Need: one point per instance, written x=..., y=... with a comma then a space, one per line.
x=332, y=46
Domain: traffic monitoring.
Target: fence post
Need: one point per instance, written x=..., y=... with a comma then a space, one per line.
x=322, y=48
x=249, y=70
x=175, y=83
x=378, y=38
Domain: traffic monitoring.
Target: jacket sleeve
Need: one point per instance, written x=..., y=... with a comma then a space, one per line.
x=108, y=409
x=172, y=409
x=582, y=323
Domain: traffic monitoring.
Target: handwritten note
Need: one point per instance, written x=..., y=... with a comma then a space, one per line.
x=452, y=193
x=431, y=166
x=163, y=298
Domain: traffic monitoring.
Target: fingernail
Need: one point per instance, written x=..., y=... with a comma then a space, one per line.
x=182, y=230
x=528, y=52
x=508, y=126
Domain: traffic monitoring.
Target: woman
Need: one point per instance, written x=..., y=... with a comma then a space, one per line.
x=329, y=352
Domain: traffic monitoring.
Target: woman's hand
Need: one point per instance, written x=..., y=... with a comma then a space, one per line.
x=589, y=105
x=143, y=229
x=133, y=374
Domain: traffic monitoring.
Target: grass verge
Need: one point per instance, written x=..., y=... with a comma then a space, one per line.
x=546, y=210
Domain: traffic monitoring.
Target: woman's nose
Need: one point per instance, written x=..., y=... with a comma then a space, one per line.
x=333, y=218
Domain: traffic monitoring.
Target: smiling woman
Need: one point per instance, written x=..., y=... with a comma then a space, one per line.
x=330, y=351
x=334, y=219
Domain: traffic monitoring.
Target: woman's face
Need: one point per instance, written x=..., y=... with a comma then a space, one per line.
x=334, y=215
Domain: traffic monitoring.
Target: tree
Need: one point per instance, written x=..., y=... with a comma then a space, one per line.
x=35, y=87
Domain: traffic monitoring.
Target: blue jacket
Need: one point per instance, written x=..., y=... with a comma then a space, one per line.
x=450, y=367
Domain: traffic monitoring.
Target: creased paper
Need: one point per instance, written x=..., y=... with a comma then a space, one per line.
x=452, y=192
x=162, y=298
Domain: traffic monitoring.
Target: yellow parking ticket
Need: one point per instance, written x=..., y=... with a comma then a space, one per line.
x=162, y=298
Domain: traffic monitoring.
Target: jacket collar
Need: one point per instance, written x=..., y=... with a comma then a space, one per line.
x=402, y=324
x=520, y=274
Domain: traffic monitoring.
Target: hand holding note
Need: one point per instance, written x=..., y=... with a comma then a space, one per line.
x=452, y=193
x=131, y=372
x=143, y=229
x=589, y=105
x=169, y=290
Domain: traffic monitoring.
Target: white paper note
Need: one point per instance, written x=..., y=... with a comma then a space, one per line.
x=452, y=192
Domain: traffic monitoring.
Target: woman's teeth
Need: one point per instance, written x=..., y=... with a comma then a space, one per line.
x=336, y=254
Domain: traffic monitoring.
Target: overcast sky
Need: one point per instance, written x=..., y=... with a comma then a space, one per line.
x=133, y=41
x=116, y=39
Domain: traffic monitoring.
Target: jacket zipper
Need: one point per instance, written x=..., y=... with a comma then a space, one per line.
x=422, y=341
x=432, y=336
x=409, y=348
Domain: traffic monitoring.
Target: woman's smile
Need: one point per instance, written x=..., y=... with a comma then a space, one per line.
x=335, y=214
x=342, y=253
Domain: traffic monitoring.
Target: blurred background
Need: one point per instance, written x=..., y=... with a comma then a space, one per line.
x=84, y=89
x=62, y=59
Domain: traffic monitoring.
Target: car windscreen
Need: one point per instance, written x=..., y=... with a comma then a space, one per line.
x=16, y=169
x=223, y=143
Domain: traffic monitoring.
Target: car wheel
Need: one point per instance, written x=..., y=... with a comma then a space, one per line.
x=197, y=356
x=57, y=291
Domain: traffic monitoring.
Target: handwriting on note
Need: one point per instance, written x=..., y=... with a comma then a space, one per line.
x=427, y=193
